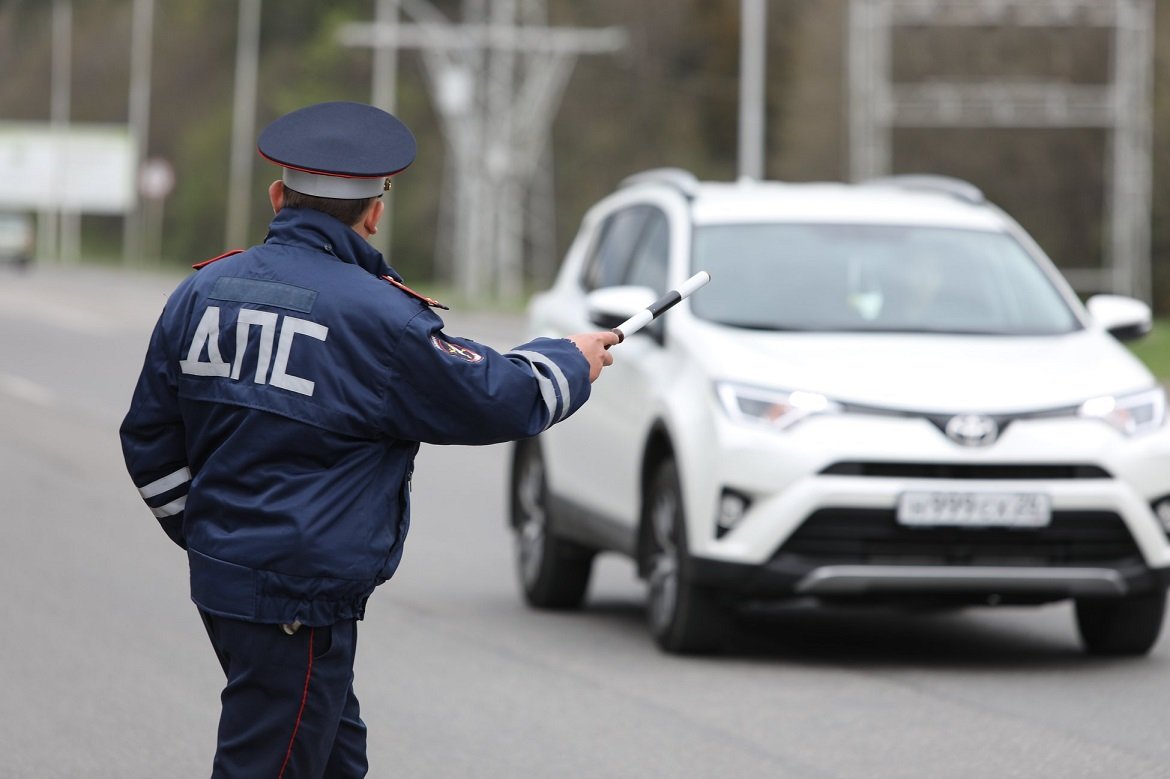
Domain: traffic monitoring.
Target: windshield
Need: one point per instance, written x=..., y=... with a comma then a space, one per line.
x=874, y=278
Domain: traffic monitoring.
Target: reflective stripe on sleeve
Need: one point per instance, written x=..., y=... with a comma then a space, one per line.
x=171, y=509
x=168, y=482
x=546, y=387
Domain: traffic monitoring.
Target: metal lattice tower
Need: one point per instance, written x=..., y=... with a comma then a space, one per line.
x=496, y=79
x=1122, y=106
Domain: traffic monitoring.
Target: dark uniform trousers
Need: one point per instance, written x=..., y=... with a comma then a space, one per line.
x=289, y=711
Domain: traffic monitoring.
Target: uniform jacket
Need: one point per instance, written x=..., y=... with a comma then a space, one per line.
x=283, y=397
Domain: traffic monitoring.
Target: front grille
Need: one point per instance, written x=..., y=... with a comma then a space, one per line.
x=873, y=536
x=966, y=470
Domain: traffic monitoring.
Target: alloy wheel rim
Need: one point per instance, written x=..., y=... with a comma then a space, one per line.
x=664, y=563
x=530, y=533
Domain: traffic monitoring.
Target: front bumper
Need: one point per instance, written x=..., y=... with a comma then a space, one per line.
x=790, y=577
x=822, y=514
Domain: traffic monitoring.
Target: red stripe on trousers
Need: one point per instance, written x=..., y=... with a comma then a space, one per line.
x=301, y=713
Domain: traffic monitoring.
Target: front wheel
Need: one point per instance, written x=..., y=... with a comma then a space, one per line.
x=553, y=573
x=683, y=617
x=1121, y=626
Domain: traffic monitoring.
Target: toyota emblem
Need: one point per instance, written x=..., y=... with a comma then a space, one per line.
x=972, y=430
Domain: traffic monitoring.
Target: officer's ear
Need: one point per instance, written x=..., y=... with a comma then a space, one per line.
x=276, y=195
x=372, y=216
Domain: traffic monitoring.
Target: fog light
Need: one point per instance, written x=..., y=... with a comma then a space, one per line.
x=1162, y=512
x=732, y=507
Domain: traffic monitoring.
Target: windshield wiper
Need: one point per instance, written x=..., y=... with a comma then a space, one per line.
x=766, y=326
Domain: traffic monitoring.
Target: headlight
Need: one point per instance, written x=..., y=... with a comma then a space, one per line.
x=771, y=408
x=1133, y=414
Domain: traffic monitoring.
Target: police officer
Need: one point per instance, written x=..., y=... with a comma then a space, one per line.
x=273, y=432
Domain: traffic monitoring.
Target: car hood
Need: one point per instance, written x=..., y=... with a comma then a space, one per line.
x=945, y=373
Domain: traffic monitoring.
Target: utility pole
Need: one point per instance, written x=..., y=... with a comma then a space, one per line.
x=52, y=220
x=141, y=45
x=496, y=85
x=243, y=124
x=1122, y=107
x=384, y=95
x=753, y=37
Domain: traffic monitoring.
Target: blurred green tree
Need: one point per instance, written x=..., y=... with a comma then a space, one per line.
x=670, y=99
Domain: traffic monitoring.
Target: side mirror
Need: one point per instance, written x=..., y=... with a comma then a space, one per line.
x=1126, y=318
x=610, y=306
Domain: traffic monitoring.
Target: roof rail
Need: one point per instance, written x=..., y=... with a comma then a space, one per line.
x=930, y=182
x=682, y=180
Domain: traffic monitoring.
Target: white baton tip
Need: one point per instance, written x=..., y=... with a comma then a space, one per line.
x=698, y=281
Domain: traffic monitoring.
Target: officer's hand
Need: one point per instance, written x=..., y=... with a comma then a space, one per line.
x=593, y=346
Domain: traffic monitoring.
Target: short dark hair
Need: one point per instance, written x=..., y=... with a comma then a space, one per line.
x=346, y=211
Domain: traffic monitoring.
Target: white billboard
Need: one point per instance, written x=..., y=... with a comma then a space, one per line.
x=84, y=168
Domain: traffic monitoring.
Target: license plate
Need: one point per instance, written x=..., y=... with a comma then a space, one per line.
x=974, y=509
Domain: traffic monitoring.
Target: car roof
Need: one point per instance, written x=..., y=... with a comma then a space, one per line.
x=880, y=202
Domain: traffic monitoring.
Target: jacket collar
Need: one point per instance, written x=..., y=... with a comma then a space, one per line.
x=314, y=230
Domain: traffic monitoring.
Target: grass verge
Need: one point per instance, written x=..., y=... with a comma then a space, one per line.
x=1154, y=350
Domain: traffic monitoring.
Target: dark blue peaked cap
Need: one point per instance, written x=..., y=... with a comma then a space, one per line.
x=338, y=150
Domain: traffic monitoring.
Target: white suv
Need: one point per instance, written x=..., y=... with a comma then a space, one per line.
x=886, y=394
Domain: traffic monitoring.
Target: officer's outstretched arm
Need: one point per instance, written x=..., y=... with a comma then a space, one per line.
x=448, y=390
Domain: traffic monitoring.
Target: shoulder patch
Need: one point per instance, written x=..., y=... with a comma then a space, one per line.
x=455, y=350
x=205, y=263
x=416, y=295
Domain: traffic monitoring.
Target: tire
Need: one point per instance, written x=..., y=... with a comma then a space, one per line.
x=1121, y=626
x=683, y=617
x=553, y=573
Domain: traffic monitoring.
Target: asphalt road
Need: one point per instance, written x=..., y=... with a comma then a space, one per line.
x=105, y=670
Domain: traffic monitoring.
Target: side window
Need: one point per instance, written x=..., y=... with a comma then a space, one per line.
x=609, y=258
x=652, y=257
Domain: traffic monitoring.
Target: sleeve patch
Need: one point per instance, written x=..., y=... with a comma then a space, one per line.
x=454, y=350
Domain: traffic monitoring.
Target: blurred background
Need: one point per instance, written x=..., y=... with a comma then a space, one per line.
x=527, y=111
